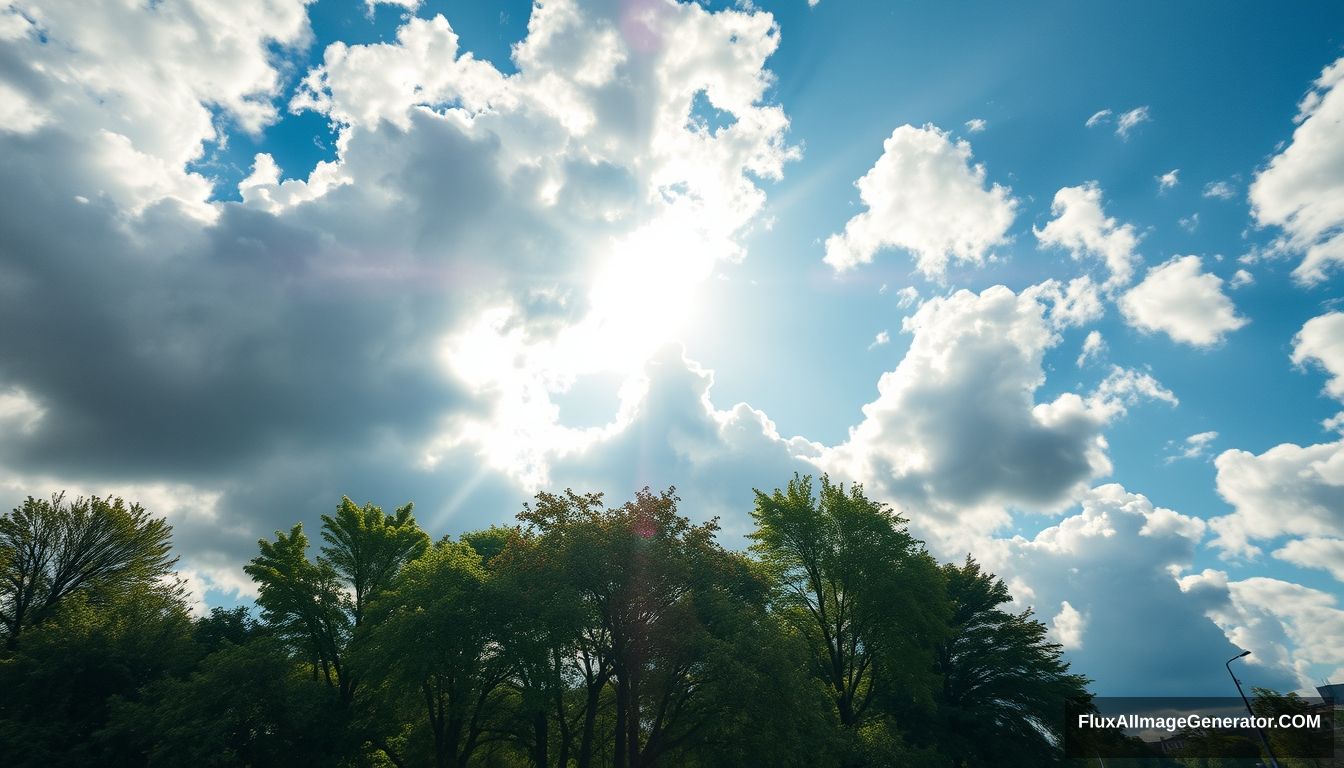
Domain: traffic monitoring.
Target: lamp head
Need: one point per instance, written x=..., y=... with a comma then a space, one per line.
x=1243, y=653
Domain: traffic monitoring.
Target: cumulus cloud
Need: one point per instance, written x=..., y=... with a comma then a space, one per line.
x=673, y=434
x=1112, y=563
x=1067, y=627
x=1181, y=300
x=379, y=324
x=956, y=430
x=1301, y=190
x=1093, y=347
x=924, y=195
x=1221, y=190
x=1168, y=180
x=1081, y=227
x=882, y=338
x=1240, y=279
x=1075, y=304
x=1315, y=552
x=1321, y=343
x=1289, y=490
x=1287, y=626
x=976, y=125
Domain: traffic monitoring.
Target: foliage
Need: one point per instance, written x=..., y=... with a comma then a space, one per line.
x=242, y=705
x=51, y=550
x=317, y=605
x=60, y=684
x=583, y=636
x=1004, y=683
x=857, y=586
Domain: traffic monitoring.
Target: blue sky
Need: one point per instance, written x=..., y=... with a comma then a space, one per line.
x=1059, y=281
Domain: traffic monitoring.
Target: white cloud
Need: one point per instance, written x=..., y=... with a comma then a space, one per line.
x=19, y=412
x=956, y=431
x=924, y=195
x=1124, y=387
x=1124, y=122
x=1112, y=562
x=1315, y=552
x=1093, y=347
x=882, y=338
x=1321, y=342
x=1180, y=300
x=1240, y=279
x=673, y=433
x=1285, y=625
x=1067, y=627
x=1098, y=117
x=1302, y=188
x=1081, y=227
x=1221, y=190
x=907, y=297
x=1076, y=304
x=409, y=5
x=1289, y=490
x=1130, y=120
x=1193, y=447
x=1189, y=223
x=140, y=81
x=1168, y=180
x=478, y=243
x=976, y=125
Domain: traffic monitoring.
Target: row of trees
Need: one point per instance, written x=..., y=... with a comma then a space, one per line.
x=584, y=635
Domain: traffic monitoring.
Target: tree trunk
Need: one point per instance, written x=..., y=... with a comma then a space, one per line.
x=540, y=737
x=590, y=724
x=632, y=721
x=622, y=702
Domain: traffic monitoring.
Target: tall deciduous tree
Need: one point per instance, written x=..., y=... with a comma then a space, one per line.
x=302, y=601
x=437, y=641
x=50, y=550
x=57, y=687
x=665, y=615
x=367, y=548
x=1005, y=683
x=318, y=604
x=853, y=581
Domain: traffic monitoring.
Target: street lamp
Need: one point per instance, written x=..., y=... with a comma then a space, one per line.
x=1273, y=760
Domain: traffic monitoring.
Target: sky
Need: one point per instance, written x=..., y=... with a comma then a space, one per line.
x=1060, y=282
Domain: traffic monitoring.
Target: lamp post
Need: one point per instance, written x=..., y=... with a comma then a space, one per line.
x=1269, y=751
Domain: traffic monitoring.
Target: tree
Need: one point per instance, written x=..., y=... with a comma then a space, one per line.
x=437, y=641
x=51, y=550
x=664, y=638
x=1298, y=747
x=244, y=704
x=59, y=684
x=857, y=586
x=303, y=602
x=1004, y=683
x=318, y=605
x=367, y=548
x=551, y=562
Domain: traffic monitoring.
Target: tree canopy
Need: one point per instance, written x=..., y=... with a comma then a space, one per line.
x=583, y=635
